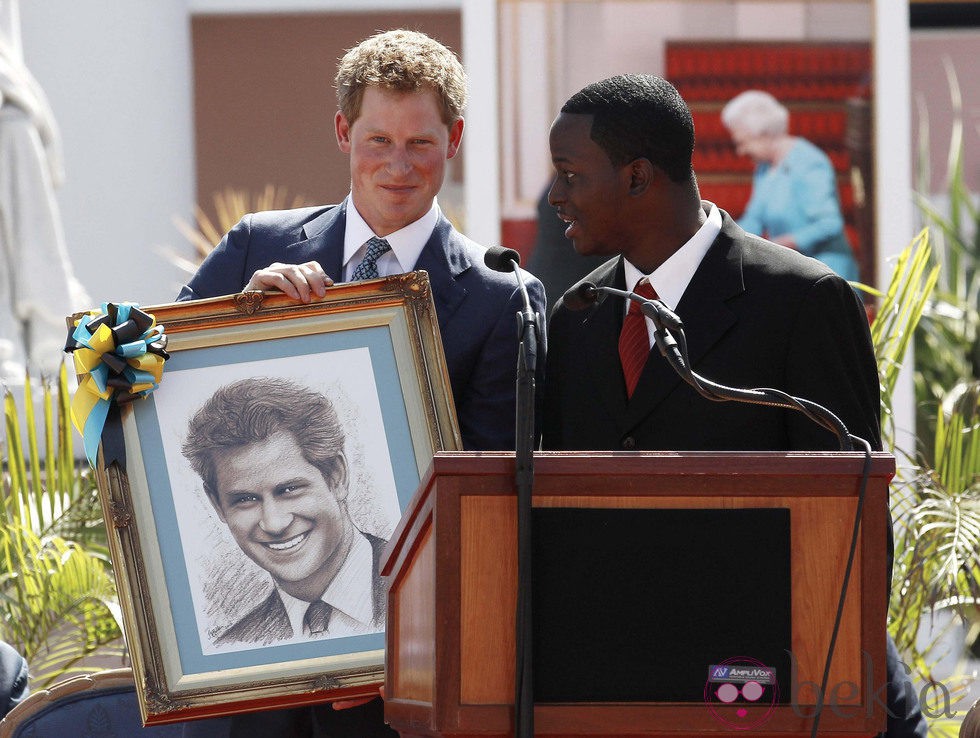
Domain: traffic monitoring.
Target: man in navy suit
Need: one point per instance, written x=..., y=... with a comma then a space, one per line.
x=755, y=314
x=401, y=96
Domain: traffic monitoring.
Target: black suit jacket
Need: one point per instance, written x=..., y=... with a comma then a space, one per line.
x=269, y=622
x=476, y=306
x=755, y=315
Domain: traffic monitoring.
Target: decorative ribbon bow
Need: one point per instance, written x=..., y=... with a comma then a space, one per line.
x=118, y=355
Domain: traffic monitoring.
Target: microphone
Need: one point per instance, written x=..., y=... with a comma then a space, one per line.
x=505, y=260
x=584, y=294
x=500, y=259
x=580, y=296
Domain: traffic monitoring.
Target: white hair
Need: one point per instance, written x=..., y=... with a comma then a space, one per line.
x=756, y=112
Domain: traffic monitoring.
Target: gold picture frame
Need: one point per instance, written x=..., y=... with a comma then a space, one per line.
x=374, y=349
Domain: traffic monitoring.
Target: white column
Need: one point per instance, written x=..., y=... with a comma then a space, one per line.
x=481, y=140
x=118, y=77
x=893, y=172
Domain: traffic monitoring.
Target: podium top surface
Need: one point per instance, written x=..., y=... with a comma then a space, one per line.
x=635, y=463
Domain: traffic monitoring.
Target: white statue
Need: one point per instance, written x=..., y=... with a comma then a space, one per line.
x=37, y=288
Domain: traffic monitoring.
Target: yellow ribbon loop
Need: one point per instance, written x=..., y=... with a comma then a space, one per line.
x=119, y=355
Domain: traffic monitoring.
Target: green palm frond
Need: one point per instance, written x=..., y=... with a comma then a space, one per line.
x=936, y=510
x=903, y=302
x=56, y=602
x=937, y=536
x=50, y=492
x=57, y=597
x=933, y=302
x=947, y=346
x=230, y=205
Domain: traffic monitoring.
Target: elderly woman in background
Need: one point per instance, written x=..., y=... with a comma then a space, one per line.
x=794, y=187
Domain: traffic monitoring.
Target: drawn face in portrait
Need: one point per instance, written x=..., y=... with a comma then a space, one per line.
x=287, y=515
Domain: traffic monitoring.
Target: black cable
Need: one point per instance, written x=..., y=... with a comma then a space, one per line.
x=675, y=351
x=855, y=534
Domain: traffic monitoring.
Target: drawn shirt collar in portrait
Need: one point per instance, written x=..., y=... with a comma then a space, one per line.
x=350, y=594
x=406, y=243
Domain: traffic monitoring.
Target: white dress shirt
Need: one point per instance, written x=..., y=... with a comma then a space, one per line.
x=670, y=279
x=406, y=243
x=351, y=594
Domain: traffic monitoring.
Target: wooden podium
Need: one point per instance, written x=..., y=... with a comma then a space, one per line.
x=451, y=571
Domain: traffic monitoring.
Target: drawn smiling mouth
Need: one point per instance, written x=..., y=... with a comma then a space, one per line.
x=287, y=544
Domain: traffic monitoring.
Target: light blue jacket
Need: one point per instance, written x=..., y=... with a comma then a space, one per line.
x=798, y=196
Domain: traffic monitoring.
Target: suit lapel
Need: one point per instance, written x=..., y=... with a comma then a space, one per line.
x=704, y=307
x=706, y=315
x=323, y=242
x=600, y=334
x=445, y=259
x=378, y=589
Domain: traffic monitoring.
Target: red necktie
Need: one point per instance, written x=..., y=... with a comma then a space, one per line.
x=634, y=341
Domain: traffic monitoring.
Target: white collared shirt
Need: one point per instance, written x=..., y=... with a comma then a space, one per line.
x=351, y=594
x=670, y=279
x=406, y=243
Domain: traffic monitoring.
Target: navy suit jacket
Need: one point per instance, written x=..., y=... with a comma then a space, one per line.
x=476, y=306
x=755, y=315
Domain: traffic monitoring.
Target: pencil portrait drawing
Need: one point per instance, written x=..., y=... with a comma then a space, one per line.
x=270, y=454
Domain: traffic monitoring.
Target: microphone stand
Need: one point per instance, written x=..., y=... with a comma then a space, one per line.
x=527, y=326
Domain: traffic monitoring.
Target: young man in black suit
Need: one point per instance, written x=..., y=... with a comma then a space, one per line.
x=755, y=314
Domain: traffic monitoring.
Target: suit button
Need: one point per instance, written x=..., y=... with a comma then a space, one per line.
x=629, y=443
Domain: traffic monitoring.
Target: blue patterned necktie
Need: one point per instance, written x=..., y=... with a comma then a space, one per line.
x=368, y=268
